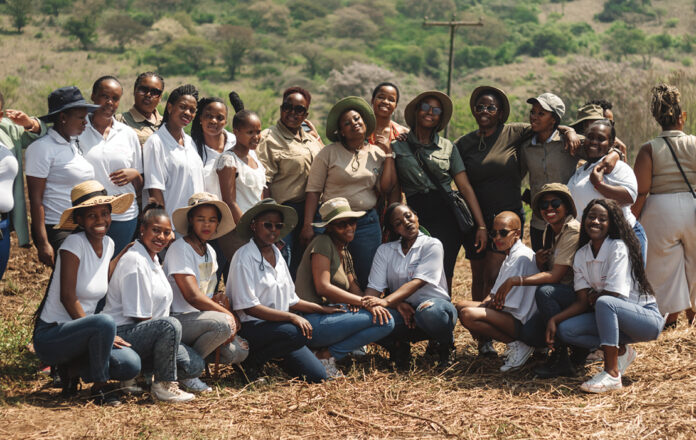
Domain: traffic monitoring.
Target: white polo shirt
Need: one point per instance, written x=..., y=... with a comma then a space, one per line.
x=182, y=259
x=121, y=149
x=610, y=270
x=9, y=167
x=519, y=301
x=212, y=183
x=252, y=281
x=391, y=269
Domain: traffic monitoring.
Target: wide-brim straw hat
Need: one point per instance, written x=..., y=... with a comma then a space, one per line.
x=445, y=101
x=92, y=193
x=334, y=209
x=265, y=205
x=589, y=112
x=561, y=191
x=180, y=215
x=490, y=90
x=63, y=99
x=350, y=103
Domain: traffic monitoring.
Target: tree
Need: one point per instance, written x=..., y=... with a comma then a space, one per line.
x=53, y=7
x=623, y=40
x=19, y=10
x=84, y=28
x=236, y=42
x=122, y=28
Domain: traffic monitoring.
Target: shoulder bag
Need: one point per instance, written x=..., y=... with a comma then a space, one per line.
x=681, y=170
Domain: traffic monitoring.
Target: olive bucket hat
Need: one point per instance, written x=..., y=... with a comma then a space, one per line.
x=412, y=108
x=498, y=93
x=589, y=112
x=335, y=209
x=350, y=103
x=561, y=191
x=265, y=205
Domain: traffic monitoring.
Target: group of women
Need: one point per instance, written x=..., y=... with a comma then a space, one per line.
x=319, y=253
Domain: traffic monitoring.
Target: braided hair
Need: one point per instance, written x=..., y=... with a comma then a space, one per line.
x=197, y=128
x=186, y=89
x=665, y=105
x=144, y=75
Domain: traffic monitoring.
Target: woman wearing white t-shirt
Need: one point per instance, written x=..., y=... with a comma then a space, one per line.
x=114, y=151
x=8, y=171
x=54, y=165
x=67, y=329
x=173, y=168
x=191, y=268
x=609, y=277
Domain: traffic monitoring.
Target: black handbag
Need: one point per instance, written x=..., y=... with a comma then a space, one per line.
x=681, y=170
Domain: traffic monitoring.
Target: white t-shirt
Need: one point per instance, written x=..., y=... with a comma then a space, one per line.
x=174, y=169
x=610, y=270
x=252, y=281
x=392, y=269
x=62, y=165
x=212, y=183
x=121, y=149
x=519, y=301
x=8, y=171
x=181, y=258
x=249, y=183
x=138, y=288
x=92, y=277
x=583, y=191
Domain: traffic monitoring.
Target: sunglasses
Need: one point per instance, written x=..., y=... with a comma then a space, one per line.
x=554, y=203
x=342, y=224
x=427, y=107
x=144, y=90
x=502, y=232
x=271, y=226
x=297, y=109
x=490, y=109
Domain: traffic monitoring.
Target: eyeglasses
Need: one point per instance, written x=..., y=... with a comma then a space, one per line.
x=297, y=109
x=502, y=232
x=271, y=226
x=427, y=107
x=144, y=90
x=490, y=109
x=342, y=224
x=554, y=203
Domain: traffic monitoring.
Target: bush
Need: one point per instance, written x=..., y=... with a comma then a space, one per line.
x=549, y=40
x=83, y=28
x=687, y=62
x=551, y=60
x=54, y=7
x=184, y=56
x=616, y=9
x=671, y=23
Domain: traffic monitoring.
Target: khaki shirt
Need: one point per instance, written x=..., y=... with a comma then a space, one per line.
x=322, y=245
x=287, y=158
x=666, y=177
x=564, y=246
x=143, y=127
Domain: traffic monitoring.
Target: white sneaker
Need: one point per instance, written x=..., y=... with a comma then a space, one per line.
x=627, y=359
x=595, y=356
x=332, y=370
x=131, y=387
x=518, y=354
x=360, y=351
x=601, y=383
x=195, y=385
x=169, y=392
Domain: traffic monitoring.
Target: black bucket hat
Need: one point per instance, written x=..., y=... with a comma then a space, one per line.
x=64, y=99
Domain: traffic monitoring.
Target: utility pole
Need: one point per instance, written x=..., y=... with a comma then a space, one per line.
x=452, y=25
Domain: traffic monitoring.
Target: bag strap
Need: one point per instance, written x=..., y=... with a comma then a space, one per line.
x=681, y=170
x=428, y=172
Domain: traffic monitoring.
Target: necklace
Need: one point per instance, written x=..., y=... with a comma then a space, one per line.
x=482, y=143
x=202, y=248
x=355, y=161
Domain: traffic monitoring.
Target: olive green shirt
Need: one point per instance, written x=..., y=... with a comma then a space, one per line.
x=323, y=245
x=563, y=247
x=143, y=127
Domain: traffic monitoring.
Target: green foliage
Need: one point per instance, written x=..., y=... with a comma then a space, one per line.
x=19, y=11
x=235, y=42
x=549, y=40
x=83, y=28
x=623, y=40
x=617, y=9
x=9, y=87
x=305, y=10
x=122, y=28
x=184, y=56
x=671, y=23
x=54, y=7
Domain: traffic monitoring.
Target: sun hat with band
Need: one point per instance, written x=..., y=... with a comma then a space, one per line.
x=289, y=218
x=350, y=103
x=180, y=215
x=561, y=191
x=335, y=209
x=550, y=103
x=64, y=99
x=412, y=108
x=498, y=93
x=92, y=193
x=589, y=112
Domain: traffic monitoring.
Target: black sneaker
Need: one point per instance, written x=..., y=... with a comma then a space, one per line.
x=446, y=357
x=400, y=355
x=70, y=385
x=103, y=397
x=578, y=355
x=558, y=364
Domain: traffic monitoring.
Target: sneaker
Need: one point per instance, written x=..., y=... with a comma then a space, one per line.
x=169, y=392
x=518, y=354
x=195, y=385
x=358, y=352
x=487, y=349
x=595, y=356
x=102, y=397
x=627, y=359
x=131, y=387
x=331, y=370
x=601, y=383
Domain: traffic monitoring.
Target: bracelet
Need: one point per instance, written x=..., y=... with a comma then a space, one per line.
x=521, y=281
x=482, y=228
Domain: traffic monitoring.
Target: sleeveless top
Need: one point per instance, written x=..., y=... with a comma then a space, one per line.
x=666, y=177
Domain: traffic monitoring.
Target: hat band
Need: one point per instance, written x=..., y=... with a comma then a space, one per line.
x=88, y=196
x=335, y=212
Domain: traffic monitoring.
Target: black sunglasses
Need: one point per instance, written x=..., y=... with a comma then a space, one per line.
x=144, y=90
x=426, y=107
x=554, y=203
x=297, y=109
x=340, y=224
x=490, y=109
x=270, y=225
x=502, y=232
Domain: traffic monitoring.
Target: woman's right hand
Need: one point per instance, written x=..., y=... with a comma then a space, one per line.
x=379, y=314
x=304, y=325
x=119, y=342
x=481, y=239
x=551, y=333
x=306, y=235
x=407, y=313
x=46, y=255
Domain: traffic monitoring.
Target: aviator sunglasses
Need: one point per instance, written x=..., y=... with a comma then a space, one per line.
x=490, y=109
x=426, y=107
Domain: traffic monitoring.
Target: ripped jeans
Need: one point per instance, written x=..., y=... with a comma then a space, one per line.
x=435, y=320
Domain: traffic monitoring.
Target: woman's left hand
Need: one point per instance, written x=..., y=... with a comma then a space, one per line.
x=592, y=296
x=481, y=240
x=333, y=309
x=379, y=314
x=124, y=176
x=371, y=301
x=597, y=175
x=572, y=142
x=119, y=342
x=499, y=298
x=312, y=129
x=407, y=313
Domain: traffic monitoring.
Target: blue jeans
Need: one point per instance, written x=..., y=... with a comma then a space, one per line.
x=643, y=240
x=614, y=321
x=4, y=245
x=292, y=252
x=268, y=340
x=344, y=332
x=122, y=233
x=551, y=299
x=435, y=320
x=88, y=341
x=368, y=237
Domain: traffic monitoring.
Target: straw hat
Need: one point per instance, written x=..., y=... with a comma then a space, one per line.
x=350, y=103
x=92, y=193
x=265, y=205
x=445, y=101
x=490, y=90
x=180, y=215
x=561, y=191
x=335, y=209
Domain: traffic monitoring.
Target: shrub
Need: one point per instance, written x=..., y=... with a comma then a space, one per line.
x=54, y=7
x=671, y=23
x=83, y=28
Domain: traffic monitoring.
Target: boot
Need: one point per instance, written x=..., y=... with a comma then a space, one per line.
x=558, y=364
x=400, y=355
x=445, y=356
x=578, y=355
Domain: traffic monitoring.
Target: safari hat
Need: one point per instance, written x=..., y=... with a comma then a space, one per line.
x=561, y=191
x=350, y=103
x=265, y=205
x=589, y=112
x=490, y=90
x=63, y=99
x=550, y=103
x=180, y=215
x=335, y=209
x=411, y=108
x=92, y=193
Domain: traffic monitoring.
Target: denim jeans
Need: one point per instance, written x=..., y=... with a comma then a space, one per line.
x=88, y=341
x=614, y=321
x=551, y=299
x=204, y=331
x=4, y=245
x=368, y=237
x=435, y=320
x=643, y=240
x=233, y=353
x=122, y=233
x=268, y=340
x=344, y=332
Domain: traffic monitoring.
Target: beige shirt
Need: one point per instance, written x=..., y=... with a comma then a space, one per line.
x=143, y=127
x=336, y=172
x=287, y=158
x=564, y=246
x=666, y=176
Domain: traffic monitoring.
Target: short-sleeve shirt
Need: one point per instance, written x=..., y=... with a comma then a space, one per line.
x=391, y=269
x=138, y=288
x=442, y=159
x=182, y=259
x=210, y=177
x=583, y=191
x=252, y=281
x=143, y=127
x=249, y=183
x=176, y=170
x=563, y=247
x=119, y=150
x=287, y=158
x=92, y=278
x=609, y=271
x=62, y=165
x=336, y=172
x=9, y=167
x=323, y=245
x=493, y=167
x=520, y=262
